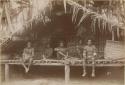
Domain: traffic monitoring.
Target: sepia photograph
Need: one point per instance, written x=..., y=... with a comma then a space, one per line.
x=62, y=42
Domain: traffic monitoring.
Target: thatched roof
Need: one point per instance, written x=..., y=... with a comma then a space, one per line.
x=17, y=15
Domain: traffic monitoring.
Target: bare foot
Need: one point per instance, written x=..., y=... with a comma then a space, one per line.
x=93, y=75
x=27, y=70
x=84, y=74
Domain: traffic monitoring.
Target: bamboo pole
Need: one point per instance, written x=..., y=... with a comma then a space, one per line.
x=6, y=72
x=67, y=70
x=113, y=35
x=67, y=74
x=64, y=1
x=124, y=74
x=0, y=65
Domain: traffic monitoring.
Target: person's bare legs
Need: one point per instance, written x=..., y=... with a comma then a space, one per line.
x=29, y=64
x=84, y=67
x=93, y=67
x=24, y=65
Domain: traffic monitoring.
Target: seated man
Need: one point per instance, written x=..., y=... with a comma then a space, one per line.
x=76, y=51
x=89, y=53
x=79, y=49
x=61, y=51
x=28, y=54
x=48, y=51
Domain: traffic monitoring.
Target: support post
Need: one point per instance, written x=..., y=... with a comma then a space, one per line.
x=64, y=1
x=124, y=73
x=113, y=35
x=67, y=73
x=6, y=72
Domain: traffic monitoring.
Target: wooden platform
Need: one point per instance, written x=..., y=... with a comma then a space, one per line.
x=65, y=63
x=51, y=62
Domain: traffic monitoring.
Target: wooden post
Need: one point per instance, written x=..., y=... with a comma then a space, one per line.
x=6, y=72
x=64, y=1
x=113, y=35
x=0, y=68
x=124, y=73
x=67, y=73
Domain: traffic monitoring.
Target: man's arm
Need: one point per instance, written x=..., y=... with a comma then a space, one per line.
x=56, y=49
x=95, y=50
x=84, y=52
x=32, y=52
x=23, y=53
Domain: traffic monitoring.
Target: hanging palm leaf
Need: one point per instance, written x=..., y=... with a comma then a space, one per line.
x=99, y=23
x=1, y=11
x=73, y=15
x=77, y=11
x=103, y=25
x=118, y=32
x=83, y=17
x=23, y=18
x=104, y=21
x=8, y=19
x=93, y=24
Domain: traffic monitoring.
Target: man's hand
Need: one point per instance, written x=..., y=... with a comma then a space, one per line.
x=94, y=54
x=56, y=49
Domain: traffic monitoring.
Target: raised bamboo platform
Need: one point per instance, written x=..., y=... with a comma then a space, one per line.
x=52, y=62
x=65, y=63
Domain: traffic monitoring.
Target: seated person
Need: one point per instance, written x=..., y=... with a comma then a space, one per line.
x=89, y=52
x=28, y=54
x=48, y=51
x=76, y=51
x=79, y=49
x=61, y=51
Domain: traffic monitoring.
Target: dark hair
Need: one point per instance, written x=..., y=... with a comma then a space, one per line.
x=89, y=39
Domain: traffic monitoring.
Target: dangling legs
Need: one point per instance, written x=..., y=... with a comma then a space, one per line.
x=93, y=67
x=29, y=64
x=84, y=67
x=24, y=65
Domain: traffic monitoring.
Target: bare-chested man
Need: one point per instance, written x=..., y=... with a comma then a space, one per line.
x=89, y=53
x=28, y=54
x=79, y=49
x=61, y=51
x=48, y=51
